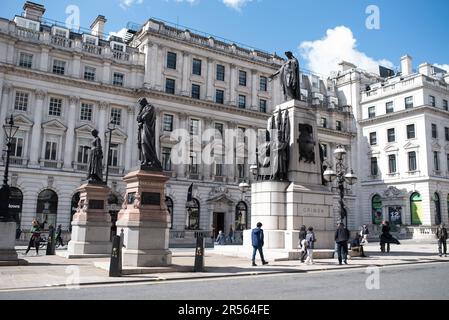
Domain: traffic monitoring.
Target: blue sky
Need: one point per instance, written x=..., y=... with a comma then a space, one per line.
x=320, y=31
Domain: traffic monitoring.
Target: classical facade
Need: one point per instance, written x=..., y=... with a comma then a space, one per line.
x=60, y=84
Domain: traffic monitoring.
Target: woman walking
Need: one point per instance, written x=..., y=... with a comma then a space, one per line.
x=302, y=243
x=310, y=238
x=35, y=237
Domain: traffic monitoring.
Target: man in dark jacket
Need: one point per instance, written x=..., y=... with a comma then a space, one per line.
x=302, y=246
x=257, y=241
x=341, y=238
x=442, y=238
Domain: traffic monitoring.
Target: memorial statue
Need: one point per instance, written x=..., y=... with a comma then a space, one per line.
x=95, y=174
x=290, y=78
x=146, y=120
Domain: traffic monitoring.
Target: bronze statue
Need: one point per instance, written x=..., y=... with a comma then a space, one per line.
x=95, y=174
x=306, y=143
x=146, y=120
x=290, y=78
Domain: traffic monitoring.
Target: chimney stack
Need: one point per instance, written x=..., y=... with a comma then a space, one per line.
x=97, y=26
x=33, y=10
x=425, y=69
x=406, y=65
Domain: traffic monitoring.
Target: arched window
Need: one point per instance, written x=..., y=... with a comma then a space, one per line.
x=193, y=215
x=241, y=216
x=169, y=204
x=74, y=206
x=436, y=200
x=416, y=209
x=15, y=204
x=47, y=208
x=376, y=209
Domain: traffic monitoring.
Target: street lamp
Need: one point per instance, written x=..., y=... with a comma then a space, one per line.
x=10, y=131
x=342, y=175
x=243, y=187
x=111, y=128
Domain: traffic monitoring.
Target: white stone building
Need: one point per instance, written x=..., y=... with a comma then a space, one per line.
x=60, y=84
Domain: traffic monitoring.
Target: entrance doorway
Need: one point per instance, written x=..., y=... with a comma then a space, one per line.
x=219, y=223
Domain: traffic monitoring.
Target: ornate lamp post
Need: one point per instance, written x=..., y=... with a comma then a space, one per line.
x=10, y=131
x=111, y=128
x=243, y=187
x=343, y=174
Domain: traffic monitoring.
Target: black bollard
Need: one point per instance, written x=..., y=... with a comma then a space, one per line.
x=115, y=267
x=199, y=253
x=50, y=245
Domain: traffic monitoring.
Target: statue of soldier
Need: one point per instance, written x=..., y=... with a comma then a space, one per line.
x=290, y=78
x=146, y=120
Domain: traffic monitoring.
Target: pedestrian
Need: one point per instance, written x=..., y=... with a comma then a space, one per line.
x=364, y=232
x=341, y=239
x=35, y=237
x=302, y=243
x=386, y=237
x=59, y=236
x=310, y=239
x=220, y=238
x=231, y=235
x=257, y=242
x=357, y=246
x=442, y=238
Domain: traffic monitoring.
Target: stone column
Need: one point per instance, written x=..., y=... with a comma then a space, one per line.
x=254, y=104
x=185, y=74
x=154, y=63
x=43, y=66
x=206, y=168
x=4, y=108
x=230, y=154
x=11, y=52
x=149, y=58
x=76, y=66
x=233, y=86
x=37, y=129
x=183, y=125
x=159, y=63
x=70, y=134
x=106, y=73
x=210, y=80
x=103, y=117
x=129, y=141
x=157, y=131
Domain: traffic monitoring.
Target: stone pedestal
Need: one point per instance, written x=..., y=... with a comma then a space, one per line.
x=145, y=220
x=8, y=241
x=91, y=225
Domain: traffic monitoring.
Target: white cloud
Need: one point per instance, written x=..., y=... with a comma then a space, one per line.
x=324, y=55
x=124, y=4
x=442, y=66
x=236, y=4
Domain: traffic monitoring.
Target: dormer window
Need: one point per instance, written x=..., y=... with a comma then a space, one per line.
x=116, y=46
x=60, y=32
x=88, y=39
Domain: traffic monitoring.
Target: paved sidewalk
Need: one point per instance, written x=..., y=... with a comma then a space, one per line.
x=48, y=271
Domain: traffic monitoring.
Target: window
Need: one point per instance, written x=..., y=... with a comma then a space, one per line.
x=411, y=131
x=50, y=150
x=447, y=162
x=374, y=167
x=166, y=161
x=90, y=40
x=194, y=127
x=242, y=102
x=193, y=168
x=168, y=122
x=21, y=102
x=219, y=131
x=324, y=148
x=392, y=163
x=263, y=105
x=241, y=170
x=116, y=116
x=193, y=215
x=86, y=112
x=371, y=112
x=196, y=91
x=436, y=161
x=16, y=147
x=338, y=125
x=434, y=131
x=89, y=73
x=391, y=135
x=169, y=204
x=219, y=96
x=412, y=161
x=118, y=79
x=220, y=72
x=170, y=86
x=55, y=107
x=446, y=133
x=241, y=216
x=218, y=169
x=59, y=67
x=445, y=105
x=60, y=33
x=83, y=155
x=323, y=122
x=171, y=60
x=408, y=102
x=196, y=67
x=373, y=138
x=113, y=155
x=432, y=101
x=242, y=78
x=118, y=47
x=263, y=83
x=389, y=108
x=26, y=60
